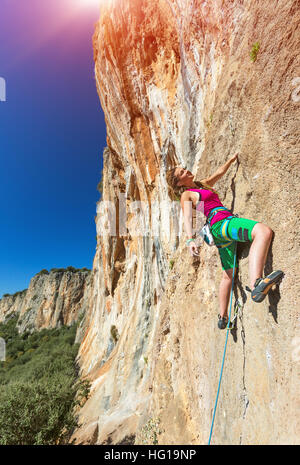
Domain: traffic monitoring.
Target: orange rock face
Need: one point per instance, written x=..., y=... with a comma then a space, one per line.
x=178, y=86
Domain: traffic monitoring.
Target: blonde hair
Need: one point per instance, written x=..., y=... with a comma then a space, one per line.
x=176, y=191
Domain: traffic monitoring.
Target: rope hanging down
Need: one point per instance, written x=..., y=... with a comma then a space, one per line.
x=224, y=353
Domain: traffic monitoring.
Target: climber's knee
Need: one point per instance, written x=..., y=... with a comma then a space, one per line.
x=227, y=274
x=263, y=231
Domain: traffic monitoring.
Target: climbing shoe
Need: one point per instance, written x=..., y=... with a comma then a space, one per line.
x=223, y=322
x=263, y=285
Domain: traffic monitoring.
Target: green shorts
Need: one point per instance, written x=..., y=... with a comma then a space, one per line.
x=229, y=231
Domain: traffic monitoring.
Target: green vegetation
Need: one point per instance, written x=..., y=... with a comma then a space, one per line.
x=15, y=294
x=39, y=386
x=149, y=432
x=210, y=120
x=171, y=264
x=62, y=270
x=42, y=272
x=69, y=268
x=100, y=185
x=254, y=51
x=114, y=333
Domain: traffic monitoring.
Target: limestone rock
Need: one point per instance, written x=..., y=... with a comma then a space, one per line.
x=178, y=86
x=52, y=299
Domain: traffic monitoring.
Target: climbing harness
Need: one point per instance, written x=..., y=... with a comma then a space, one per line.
x=214, y=211
x=206, y=234
x=224, y=353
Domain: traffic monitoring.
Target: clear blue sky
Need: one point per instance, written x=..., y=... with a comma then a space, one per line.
x=52, y=136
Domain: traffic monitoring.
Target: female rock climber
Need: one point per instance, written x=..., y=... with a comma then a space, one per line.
x=226, y=230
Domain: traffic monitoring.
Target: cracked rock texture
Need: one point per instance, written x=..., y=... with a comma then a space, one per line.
x=51, y=300
x=177, y=86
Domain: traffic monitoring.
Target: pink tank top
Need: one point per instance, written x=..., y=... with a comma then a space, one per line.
x=211, y=200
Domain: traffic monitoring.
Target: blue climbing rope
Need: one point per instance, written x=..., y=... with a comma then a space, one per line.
x=223, y=360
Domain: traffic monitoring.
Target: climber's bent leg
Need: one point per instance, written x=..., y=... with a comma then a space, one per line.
x=237, y=229
x=261, y=240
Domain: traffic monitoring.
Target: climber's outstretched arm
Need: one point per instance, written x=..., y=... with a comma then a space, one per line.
x=220, y=172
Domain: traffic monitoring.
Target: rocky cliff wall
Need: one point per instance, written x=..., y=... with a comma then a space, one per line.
x=52, y=299
x=177, y=86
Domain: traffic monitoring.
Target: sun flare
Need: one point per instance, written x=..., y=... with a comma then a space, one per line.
x=89, y=3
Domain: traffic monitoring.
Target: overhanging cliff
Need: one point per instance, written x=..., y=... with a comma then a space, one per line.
x=178, y=86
